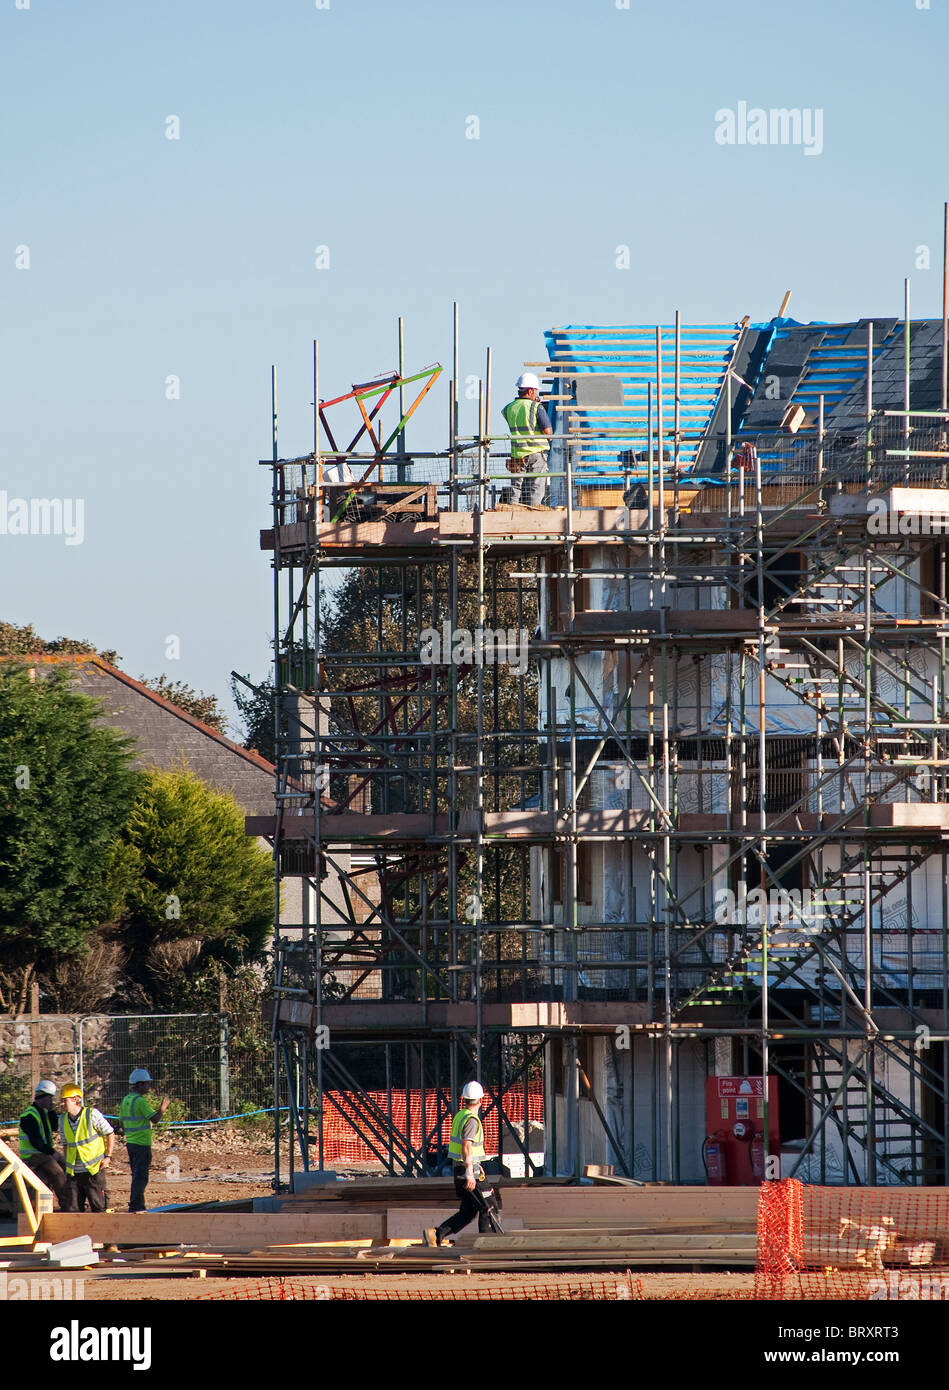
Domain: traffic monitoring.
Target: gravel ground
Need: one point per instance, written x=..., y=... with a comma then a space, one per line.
x=218, y=1164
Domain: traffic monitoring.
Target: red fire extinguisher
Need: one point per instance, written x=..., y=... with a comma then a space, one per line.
x=757, y=1156
x=713, y=1152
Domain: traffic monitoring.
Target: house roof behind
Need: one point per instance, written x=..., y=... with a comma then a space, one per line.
x=800, y=363
x=167, y=734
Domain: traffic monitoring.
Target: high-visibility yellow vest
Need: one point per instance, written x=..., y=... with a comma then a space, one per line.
x=521, y=417
x=45, y=1121
x=454, y=1143
x=138, y=1128
x=83, y=1145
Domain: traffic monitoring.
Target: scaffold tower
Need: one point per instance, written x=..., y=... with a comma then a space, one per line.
x=645, y=786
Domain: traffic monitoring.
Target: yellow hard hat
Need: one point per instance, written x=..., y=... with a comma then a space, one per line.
x=68, y=1091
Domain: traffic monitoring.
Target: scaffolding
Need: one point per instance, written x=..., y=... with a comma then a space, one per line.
x=609, y=796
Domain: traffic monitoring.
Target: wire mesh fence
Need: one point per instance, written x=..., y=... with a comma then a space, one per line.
x=186, y=1055
x=32, y=1050
x=189, y=1056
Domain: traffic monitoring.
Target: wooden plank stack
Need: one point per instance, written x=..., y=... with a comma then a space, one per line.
x=373, y=1224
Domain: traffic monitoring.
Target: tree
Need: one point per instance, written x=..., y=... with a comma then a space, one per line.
x=195, y=702
x=373, y=616
x=255, y=707
x=24, y=641
x=86, y=983
x=201, y=897
x=66, y=787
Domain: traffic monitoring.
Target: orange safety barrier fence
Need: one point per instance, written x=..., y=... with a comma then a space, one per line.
x=341, y=1142
x=841, y=1243
x=296, y=1290
x=875, y=1243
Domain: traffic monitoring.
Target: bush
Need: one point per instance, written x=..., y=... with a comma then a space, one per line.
x=200, y=903
x=176, y=1111
x=15, y=1096
x=256, y=1125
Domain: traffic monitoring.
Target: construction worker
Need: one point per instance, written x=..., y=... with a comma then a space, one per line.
x=466, y=1149
x=38, y=1126
x=530, y=430
x=89, y=1140
x=137, y=1117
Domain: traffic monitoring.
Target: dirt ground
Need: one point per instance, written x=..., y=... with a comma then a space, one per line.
x=205, y=1165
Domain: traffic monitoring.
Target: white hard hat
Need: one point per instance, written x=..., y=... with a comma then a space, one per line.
x=139, y=1074
x=527, y=380
x=45, y=1088
x=473, y=1091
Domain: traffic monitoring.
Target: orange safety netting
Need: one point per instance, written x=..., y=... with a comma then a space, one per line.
x=577, y=1288
x=342, y=1141
x=852, y=1242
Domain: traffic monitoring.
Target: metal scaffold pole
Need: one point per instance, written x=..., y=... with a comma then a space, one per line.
x=467, y=857
x=479, y=744
x=277, y=520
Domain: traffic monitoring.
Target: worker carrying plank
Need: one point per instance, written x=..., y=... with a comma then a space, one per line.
x=137, y=1118
x=466, y=1150
x=530, y=429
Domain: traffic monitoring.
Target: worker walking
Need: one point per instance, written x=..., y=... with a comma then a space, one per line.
x=39, y=1124
x=530, y=430
x=137, y=1117
x=466, y=1149
x=89, y=1140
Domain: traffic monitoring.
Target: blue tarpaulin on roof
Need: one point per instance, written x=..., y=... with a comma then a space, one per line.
x=613, y=437
x=776, y=365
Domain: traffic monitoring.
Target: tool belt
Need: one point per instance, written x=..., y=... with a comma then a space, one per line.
x=515, y=465
x=488, y=1200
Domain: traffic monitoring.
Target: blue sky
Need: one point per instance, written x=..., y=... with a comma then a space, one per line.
x=346, y=127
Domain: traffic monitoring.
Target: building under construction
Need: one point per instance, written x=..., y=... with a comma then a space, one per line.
x=634, y=805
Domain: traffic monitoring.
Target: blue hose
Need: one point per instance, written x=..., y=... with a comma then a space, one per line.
x=190, y=1124
x=218, y=1119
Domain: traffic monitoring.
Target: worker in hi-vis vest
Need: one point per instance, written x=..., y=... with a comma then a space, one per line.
x=466, y=1150
x=530, y=429
x=137, y=1117
x=39, y=1125
x=89, y=1141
